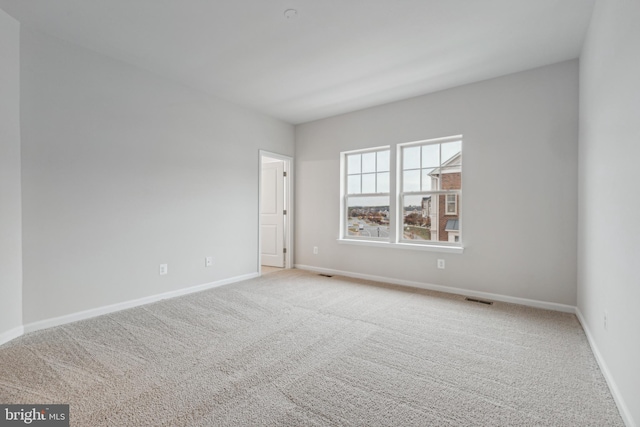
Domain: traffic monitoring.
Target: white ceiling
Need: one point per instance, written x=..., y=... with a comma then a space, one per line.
x=337, y=56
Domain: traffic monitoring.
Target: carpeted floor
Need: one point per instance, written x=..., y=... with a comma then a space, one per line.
x=296, y=349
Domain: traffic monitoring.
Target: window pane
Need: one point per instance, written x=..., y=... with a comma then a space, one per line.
x=383, y=161
x=411, y=158
x=368, y=216
x=415, y=213
x=368, y=162
x=411, y=180
x=369, y=183
x=451, y=179
x=448, y=223
x=431, y=156
x=353, y=184
x=353, y=163
x=425, y=218
x=383, y=182
x=429, y=182
x=449, y=150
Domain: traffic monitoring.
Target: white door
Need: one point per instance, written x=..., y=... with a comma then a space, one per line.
x=272, y=214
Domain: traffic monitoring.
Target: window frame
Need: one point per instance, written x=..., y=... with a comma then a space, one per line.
x=345, y=195
x=433, y=193
x=396, y=198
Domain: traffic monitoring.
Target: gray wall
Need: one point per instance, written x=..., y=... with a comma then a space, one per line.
x=519, y=184
x=609, y=226
x=10, y=204
x=124, y=170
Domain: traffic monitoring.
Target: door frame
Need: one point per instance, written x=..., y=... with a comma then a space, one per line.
x=288, y=206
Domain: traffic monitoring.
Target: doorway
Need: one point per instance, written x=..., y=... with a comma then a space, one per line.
x=275, y=227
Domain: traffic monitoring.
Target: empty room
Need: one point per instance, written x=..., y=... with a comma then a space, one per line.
x=319, y=213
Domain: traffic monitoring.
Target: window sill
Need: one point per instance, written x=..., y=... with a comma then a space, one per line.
x=409, y=246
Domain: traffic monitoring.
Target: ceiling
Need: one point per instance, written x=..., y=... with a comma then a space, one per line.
x=336, y=56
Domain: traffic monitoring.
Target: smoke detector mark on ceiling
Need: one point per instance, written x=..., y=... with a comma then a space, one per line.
x=290, y=14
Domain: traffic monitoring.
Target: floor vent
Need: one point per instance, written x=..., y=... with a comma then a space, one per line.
x=479, y=301
x=325, y=275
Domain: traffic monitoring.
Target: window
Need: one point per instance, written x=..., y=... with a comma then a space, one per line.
x=420, y=210
x=430, y=187
x=367, y=194
x=452, y=204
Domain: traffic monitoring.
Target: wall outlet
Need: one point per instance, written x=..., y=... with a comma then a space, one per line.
x=441, y=264
x=606, y=320
x=208, y=261
x=164, y=269
x=315, y=250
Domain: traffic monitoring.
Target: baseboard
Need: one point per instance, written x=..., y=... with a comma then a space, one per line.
x=447, y=289
x=615, y=392
x=99, y=311
x=11, y=334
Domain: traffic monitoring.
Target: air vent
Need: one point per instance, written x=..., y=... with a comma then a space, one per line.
x=479, y=301
x=325, y=275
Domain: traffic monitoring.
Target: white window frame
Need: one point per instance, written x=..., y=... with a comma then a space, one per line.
x=344, y=205
x=434, y=193
x=396, y=198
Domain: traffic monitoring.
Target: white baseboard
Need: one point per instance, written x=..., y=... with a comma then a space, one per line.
x=86, y=314
x=11, y=334
x=615, y=392
x=447, y=289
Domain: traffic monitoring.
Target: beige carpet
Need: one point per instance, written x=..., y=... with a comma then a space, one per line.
x=296, y=349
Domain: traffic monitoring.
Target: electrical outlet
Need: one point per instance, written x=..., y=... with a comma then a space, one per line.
x=315, y=250
x=164, y=269
x=441, y=264
x=606, y=320
x=208, y=261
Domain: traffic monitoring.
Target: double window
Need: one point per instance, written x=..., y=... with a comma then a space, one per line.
x=422, y=208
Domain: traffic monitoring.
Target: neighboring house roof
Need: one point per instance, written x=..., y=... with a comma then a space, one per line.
x=452, y=225
x=455, y=160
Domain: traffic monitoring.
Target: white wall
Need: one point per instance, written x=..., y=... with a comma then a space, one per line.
x=519, y=184
x=124, y=170
x=10, y=197
x=609, y=224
